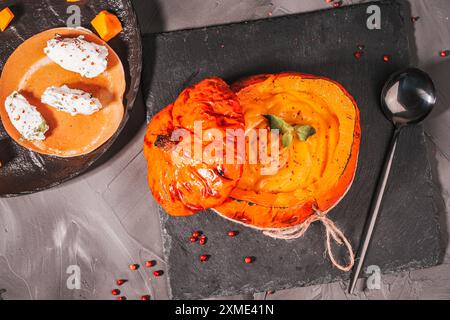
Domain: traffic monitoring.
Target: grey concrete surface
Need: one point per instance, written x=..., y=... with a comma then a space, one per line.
x=100, y=220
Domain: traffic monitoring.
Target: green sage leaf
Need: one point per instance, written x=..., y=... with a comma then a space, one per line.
x=278, y=123
x=286, y=139
x=304, y=132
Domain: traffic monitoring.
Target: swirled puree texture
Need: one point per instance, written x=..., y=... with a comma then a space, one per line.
x=73, y=101
x=78, y=55
x=312, y=173
x=25, y=118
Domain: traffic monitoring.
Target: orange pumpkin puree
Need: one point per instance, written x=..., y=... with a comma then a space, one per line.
x=315, y=173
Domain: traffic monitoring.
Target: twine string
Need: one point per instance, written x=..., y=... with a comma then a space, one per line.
x=332, y=233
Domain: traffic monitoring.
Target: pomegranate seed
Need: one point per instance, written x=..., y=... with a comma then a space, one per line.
x=232, y=233
x=193, y=239
x=115, y=292
x=134, y=266
x=157, y=273
x=196, y=234
x=122, y=298
x=358, y=54
x=386, y=58
x=203, y=258
x=337, y=4
x=202, y=241
x=414, y=19
x=145, y=297
x=444, y=53
x=120, y=282
x=248, y=260
x=150, y=263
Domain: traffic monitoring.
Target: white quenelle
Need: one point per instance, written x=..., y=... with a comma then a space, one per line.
x=25, y=118
x=73, y=101
x=78, y=55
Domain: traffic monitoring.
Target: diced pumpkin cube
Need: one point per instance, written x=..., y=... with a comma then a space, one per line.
x=5, y=18
x=107, y=25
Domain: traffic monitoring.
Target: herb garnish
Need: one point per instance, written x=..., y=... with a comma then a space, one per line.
x=303, y=132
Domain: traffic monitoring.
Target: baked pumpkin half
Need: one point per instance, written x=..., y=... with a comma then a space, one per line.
x=181, y=181
x=313, y=173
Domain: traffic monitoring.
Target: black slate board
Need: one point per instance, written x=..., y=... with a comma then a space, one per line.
x=24, y=171
x=322, y=43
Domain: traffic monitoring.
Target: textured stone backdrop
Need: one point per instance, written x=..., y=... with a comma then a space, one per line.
x=95, y=221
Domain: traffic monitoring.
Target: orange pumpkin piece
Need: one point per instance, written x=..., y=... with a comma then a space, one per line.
x=107, y=25
x=184, y=183
x=313, y=174
x=6, y=17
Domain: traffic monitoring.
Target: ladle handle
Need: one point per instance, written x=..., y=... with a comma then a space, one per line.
x=375, y=209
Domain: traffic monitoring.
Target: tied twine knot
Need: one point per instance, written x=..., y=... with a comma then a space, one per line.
x=332, y=232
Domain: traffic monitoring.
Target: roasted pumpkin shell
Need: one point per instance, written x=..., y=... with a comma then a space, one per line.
x=182, y=183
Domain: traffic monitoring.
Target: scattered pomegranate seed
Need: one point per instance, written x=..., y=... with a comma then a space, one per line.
x=145, y=297
x=196, y=234
x=122, y=298
x=414, y=19
x=386, y=58
x=150, y=263
x=157, y=273
x=444, y=53
x=193, y=239
x=358, y=54
x=134, y=266
x=232, y=233
x=202, y=241
x=337, y=4
x=248, y=260
x=203, y=258
x=121, y=282
x=115, y=292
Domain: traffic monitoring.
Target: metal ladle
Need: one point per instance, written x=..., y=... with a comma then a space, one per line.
x=407, y=97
